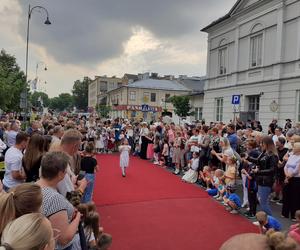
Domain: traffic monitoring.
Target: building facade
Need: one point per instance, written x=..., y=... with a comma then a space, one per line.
x=254, y=52
x=196, y=86
x=99, y=87
x=146, y=98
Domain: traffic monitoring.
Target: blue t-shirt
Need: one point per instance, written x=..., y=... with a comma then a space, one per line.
x=233, y=140
x=235, y=198
x=117, y=128
x=273, y=223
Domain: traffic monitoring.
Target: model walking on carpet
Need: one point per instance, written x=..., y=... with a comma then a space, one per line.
x=124, y=156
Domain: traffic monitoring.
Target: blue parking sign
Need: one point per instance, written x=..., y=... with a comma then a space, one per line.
x=235, y=99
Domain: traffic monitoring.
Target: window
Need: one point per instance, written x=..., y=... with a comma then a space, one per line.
x=132, y=95
x=219, y=109
x=256, y=50
x=153, y=97
x=198, y=113
x=253, y=103
x=298, y=106
x=146, y=97
x=167, y=96
x=222, y=61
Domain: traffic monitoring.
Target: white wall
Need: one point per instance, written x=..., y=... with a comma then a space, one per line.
x=278, y=77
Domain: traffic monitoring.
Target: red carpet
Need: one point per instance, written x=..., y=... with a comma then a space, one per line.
x=152, y=209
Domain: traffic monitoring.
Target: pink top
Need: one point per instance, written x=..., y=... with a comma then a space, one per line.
x=171, y=135
x=295, y=232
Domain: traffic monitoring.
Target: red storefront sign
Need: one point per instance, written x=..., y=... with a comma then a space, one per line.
x=136, y=108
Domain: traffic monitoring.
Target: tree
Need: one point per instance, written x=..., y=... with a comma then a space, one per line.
x=80, y=93
x=182, y=105
x=12, y=83
x=103, y=110
x=62, y=102
x=36, y=96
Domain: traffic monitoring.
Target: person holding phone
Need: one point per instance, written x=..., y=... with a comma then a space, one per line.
x=88, y=168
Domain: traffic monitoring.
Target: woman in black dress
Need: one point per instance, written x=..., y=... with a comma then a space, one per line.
x=144, y=133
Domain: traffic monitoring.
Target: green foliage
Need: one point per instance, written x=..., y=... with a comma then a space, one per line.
x=12, y=82
x=80, y=93
x=34, y=99
x=103, y=110
x=182, y=105
x=62, y=102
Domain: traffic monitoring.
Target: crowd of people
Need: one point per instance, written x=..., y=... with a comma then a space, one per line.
x=47, y=187
x=50, y=171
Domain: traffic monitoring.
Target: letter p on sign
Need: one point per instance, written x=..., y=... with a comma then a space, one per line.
x=235, y=99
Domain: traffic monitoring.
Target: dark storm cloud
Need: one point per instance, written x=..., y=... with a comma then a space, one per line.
x=90, y=31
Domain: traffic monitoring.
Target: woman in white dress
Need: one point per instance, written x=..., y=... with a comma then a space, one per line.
x=124, y=156
x=191, y=175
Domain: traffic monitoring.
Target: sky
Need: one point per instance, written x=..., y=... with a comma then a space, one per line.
x=108, y=37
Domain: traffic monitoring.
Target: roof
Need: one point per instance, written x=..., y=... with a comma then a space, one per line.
x=196, y=85
x=131, y=76
x=158, y=84
x=223, y=18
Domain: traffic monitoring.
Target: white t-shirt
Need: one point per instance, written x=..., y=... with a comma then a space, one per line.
x=194, y=139
x=66, y=184
x=11, y=138
x=275, y=138
x=13, y=162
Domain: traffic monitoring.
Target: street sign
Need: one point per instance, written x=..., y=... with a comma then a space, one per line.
x=235, y=99
x=145, y=108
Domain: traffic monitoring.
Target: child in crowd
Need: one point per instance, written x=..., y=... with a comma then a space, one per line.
x=205, y=177
x=99, y=142
x=251, y=188
x=171, y=155
x=219, y=186
x=124, y=156
x=110, y=142
x=232, y=200
x=295, y=229
x=266, y=222
x=165, y=153
x=231, y=171
x=191, y=175
x=217, y=183
x=89, y=166
x=91, y=225
x=156, y=150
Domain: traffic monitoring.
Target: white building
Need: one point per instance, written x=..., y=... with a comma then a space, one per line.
x=254, y=52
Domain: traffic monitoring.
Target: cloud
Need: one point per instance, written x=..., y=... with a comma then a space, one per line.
x=112, y=37
x=89, y=32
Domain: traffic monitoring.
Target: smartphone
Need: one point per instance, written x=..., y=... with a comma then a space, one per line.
x=81, y=175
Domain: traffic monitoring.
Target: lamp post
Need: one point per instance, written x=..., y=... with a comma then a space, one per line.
x=47, y=22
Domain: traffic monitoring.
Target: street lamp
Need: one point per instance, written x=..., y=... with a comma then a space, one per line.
x=47, y=22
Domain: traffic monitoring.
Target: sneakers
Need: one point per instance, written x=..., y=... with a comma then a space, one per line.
x=245, y=205
x=216, y=196
x=219, y=198
x=275, y=199
x=177, y=171
x=249, y=215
